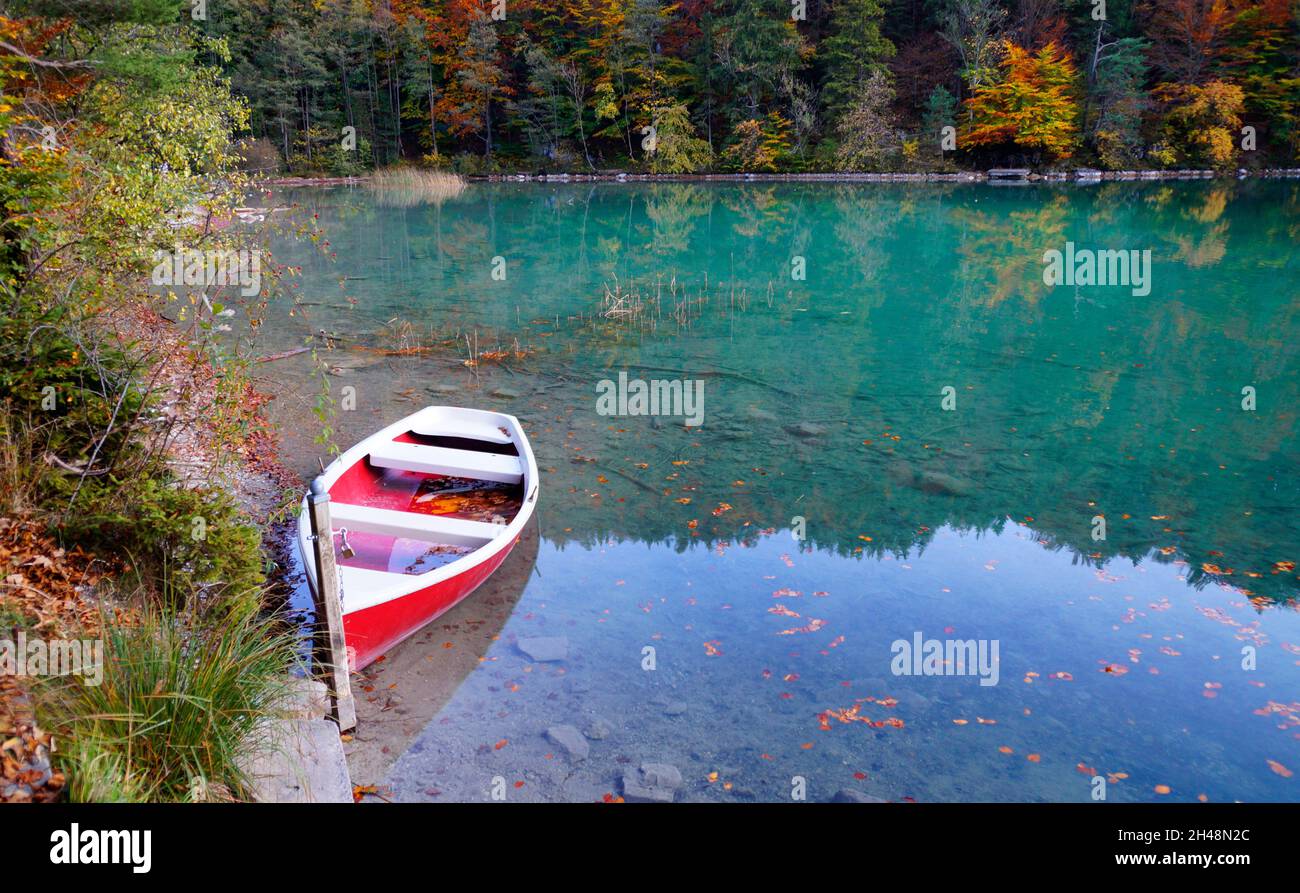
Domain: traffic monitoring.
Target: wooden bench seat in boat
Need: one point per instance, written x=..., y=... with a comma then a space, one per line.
x=445, y=461
x=413, y=525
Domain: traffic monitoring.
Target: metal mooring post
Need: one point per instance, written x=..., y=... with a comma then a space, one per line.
x=329, y=605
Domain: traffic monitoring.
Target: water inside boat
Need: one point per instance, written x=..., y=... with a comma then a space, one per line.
x=423, y=494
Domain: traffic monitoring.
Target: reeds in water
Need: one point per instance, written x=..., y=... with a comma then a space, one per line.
x=639, y=308
x=407, y=187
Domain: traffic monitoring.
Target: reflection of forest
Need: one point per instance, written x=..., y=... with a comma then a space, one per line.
x=824, y=394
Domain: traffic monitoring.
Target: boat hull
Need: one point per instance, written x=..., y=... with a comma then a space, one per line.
x=370, y=632
x=376, y=489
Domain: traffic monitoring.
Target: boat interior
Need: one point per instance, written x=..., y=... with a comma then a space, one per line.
x=420, y=501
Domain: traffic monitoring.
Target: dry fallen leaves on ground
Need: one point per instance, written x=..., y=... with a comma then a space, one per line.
x=41, y=580
x=26, y=775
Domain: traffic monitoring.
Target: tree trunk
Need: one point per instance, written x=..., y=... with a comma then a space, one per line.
x=433, y=121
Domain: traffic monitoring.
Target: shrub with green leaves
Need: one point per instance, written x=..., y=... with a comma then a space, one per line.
x=181, y=541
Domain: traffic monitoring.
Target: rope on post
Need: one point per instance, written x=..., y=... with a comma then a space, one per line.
x=329, y=606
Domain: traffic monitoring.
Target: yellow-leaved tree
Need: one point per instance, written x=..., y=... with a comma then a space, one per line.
x=1202, y=124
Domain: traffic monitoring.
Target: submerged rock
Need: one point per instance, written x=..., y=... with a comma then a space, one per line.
x=571, y=741
x=848, y=795
x=651, y=783
x=806, y=429
x=597, y=729
x=944, y=484
x=730, y=431
x=544, y=649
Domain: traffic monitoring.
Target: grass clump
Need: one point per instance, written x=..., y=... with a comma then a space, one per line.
x=176, y=711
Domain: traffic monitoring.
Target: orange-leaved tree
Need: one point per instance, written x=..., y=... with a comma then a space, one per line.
x=1033, y=103
x=472, y=57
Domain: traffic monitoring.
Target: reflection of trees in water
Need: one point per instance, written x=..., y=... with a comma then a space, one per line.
x=865, y=222
x=757, y=213
x=1002, y=248
x=1070, y=404
x=672, y=214
x=898, y=493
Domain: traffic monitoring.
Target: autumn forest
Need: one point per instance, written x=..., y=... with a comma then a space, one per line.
x=479, y=86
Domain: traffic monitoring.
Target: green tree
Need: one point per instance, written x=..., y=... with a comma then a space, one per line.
x=940, y=112
x=867, y=135
x=757, y=45
x=678, y=150
x=1120, y=99
x=974, y=28
x=854, y=51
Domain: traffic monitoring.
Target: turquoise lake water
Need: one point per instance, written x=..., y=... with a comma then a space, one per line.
x=917, y=437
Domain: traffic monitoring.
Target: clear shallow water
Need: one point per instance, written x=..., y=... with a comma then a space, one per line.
x=823, y=402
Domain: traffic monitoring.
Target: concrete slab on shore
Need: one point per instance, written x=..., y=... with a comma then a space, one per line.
x=298, y=757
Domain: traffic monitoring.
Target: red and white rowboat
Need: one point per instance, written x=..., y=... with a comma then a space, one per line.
x=422, y=512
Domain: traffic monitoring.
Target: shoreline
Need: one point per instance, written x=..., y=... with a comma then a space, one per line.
x=290, y=758
x=998, y=176
x=297, y=753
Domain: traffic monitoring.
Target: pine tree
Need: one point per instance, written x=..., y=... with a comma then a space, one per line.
x=757, y=45
x=1121, y=101
x=940, y=112
x=854, y=51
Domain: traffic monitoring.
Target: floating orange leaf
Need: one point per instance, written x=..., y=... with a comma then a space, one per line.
x=814, y=624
